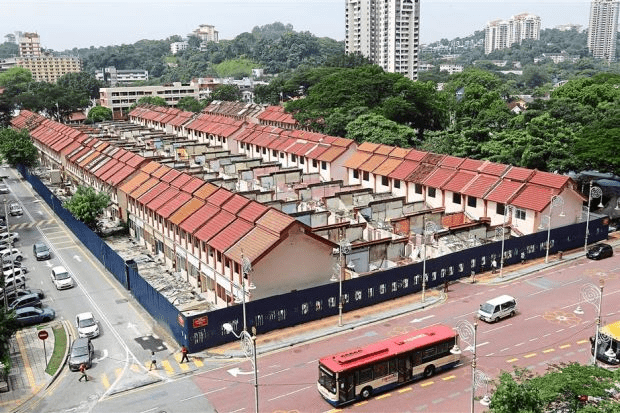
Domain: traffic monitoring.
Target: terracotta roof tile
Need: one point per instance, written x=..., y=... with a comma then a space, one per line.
x=235, y=204
x=372, y=163
x=152, y=193
x=219, y=197
x=199, y=218
x=387, y=167
x=451, y=161
x=230, y=234
x=134, y=182
x=549, y=179
x=181, y=180
x=193, y=185
x=331, y=154
x=504, y=191
x=186, y=211
x=120, y=175
x=399, y=153
x=252, y=211
x=174, y=204
x=471, y=164
x=403, y=170
x=433, y=158
x=275, y=221
x=253, y=245
x=439, y=177
x=516, y=173
x=215, y=225
x=163, y=197
x=205, y=191
x=383, y=149
x=420, y=173
x=533, y=197
x=415, y=155
x=458, y=181
x=492, y=168
x=480, y=186
x=368, y=147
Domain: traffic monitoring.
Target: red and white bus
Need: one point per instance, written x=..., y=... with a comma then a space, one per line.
x=361, y=372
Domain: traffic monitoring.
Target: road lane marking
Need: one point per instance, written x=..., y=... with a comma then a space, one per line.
x=449, y=378
x=565, y=346
x=582, y=341
x=275, y=372
x=288, y=394
x=105, y=381
x=511, y=360
x=428, y=383
x=168, y=367
x=529, y=318
x=560, y=330
x=493, y=329
x=534, y=339
x=406, y=389
x=504, y=349
x=198, y=362
x=356, y=404
x=527, y=356
x=520, y=344
x=383, y=396
x=549, y=350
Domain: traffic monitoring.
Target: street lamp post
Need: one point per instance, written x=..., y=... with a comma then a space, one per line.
x=246, y=268
x=595, y=192
x=556, y=201
x=248, y=344
x=344, y=247
x=429, y=228
x=467, y=332
x=593, y=295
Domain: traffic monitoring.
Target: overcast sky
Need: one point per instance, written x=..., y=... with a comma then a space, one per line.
x=67, y=24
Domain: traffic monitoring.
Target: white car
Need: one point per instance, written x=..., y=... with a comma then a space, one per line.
x=4, y=188
x=9, y=272
x=86, y=325
x=7, y=237
x=11, y=254
x=19, y=281
x=61, y=278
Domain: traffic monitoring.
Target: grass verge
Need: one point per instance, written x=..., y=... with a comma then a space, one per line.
x=60, y=343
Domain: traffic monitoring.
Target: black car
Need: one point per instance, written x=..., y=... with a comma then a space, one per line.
x=20, y=292
x=600, y=251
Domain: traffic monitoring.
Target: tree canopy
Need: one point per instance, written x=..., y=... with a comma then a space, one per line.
x=87, y=205
x=99, y=114
x=17, y=148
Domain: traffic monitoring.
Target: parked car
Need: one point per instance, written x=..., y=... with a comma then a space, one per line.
x=41, y=251
x=30, y=300
x=61, y=278
x=20, y=292
x=17, y=279
x=15, y=208
x=82, y=351
x=86, y=325
x=4, y=188
x=15, y=272
x=12, y=254
x=19, y=283
x=27, y=316
x=7, y=237
x=600, y=251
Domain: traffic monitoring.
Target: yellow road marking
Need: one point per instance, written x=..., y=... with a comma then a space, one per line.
x=383, y=396
x=527, y=356
x=198, y=362
x=582, y=341
x=356, y=404
x=428, y=383
x=105, y=381
x=511, y=360
x=166, y=365
x=449, y=378
x=549, y=350
x=565, y=346
x=22, y=350
x=134, y=367
x=406, y=389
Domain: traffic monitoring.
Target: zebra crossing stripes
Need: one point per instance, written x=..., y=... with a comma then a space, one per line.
x=22, y=225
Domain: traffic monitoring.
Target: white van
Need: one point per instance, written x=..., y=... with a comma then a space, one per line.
x=497, y=308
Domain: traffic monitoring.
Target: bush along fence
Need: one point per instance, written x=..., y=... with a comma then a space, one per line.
x=204, y=330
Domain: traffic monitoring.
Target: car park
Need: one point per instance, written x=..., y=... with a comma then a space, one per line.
x=30, y=300
x=15, y=208
x=11, y=254
x=86, y=325
x=8, y=237
x=12, y=294
x=41, y=251
x=600, y=251
x=15, y=272
x=82, y=351
x=18, y=280
x=27, y=316
x=61, y=278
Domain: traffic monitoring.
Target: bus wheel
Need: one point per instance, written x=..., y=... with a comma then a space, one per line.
x=429, y=370
x=366, y=392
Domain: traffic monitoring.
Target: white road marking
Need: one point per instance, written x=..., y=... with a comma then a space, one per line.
x=497, y=328
x=288, y=394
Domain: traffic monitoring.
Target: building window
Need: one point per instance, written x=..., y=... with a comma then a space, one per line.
x=264, y=151
x=431, y=192
x=418, y=189
x=500, y=209
x=456, y=198
x=274, y=153
x=314, y=164
x=281, y=155
x=324, y=165
x=302, y=160
x=356, y=174
x=471, y=201
x=397, y=183
x=384, y=181
x=366, y=176
x=520, y=214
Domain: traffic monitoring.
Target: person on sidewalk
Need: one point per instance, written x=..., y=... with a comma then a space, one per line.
x=445, y=287
x=184, y=353
x=83, y=371
x=153, y=361
x=493, y=266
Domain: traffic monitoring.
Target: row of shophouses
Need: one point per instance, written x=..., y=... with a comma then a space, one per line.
x=296, y=195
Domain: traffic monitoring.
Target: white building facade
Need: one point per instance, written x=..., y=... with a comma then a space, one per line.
x=385, y=31
x=501, y=34
x=603, y=29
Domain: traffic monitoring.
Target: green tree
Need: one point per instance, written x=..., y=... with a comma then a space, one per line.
x=190, y=104
x=15, y=76
x=99, y=114
x=229, y=93
x=516, y=394
x=8, y=327
x=81, y=82
x=87, y=205
x=17, y=148
x=377, y=129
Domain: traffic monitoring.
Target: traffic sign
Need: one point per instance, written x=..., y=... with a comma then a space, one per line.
x=43, y=334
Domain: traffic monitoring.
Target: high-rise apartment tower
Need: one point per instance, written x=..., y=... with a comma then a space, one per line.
x=501, y=34
x=387, y=32
x=603, y=29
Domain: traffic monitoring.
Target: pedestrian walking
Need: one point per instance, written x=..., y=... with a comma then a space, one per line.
x=493, y=266
x=153, y=361
x=184, y=353
x=445, y=287
x=522, y=257
x=83, y=371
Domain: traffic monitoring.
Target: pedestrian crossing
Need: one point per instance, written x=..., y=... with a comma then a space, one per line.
x=170, y=367
x=41, y=223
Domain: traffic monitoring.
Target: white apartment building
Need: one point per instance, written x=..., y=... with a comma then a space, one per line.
x=385, y=31
x=451, y=68
x=48, y=68
x=501, y=34
x=206, y=33
x=120, y=99
x=603, y=29
x=112, y=76
x=176, y=47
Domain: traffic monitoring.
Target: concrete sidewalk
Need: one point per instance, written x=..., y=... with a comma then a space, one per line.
x=29, y=358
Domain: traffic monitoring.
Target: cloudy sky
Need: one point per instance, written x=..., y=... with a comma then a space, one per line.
x=83, y=23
